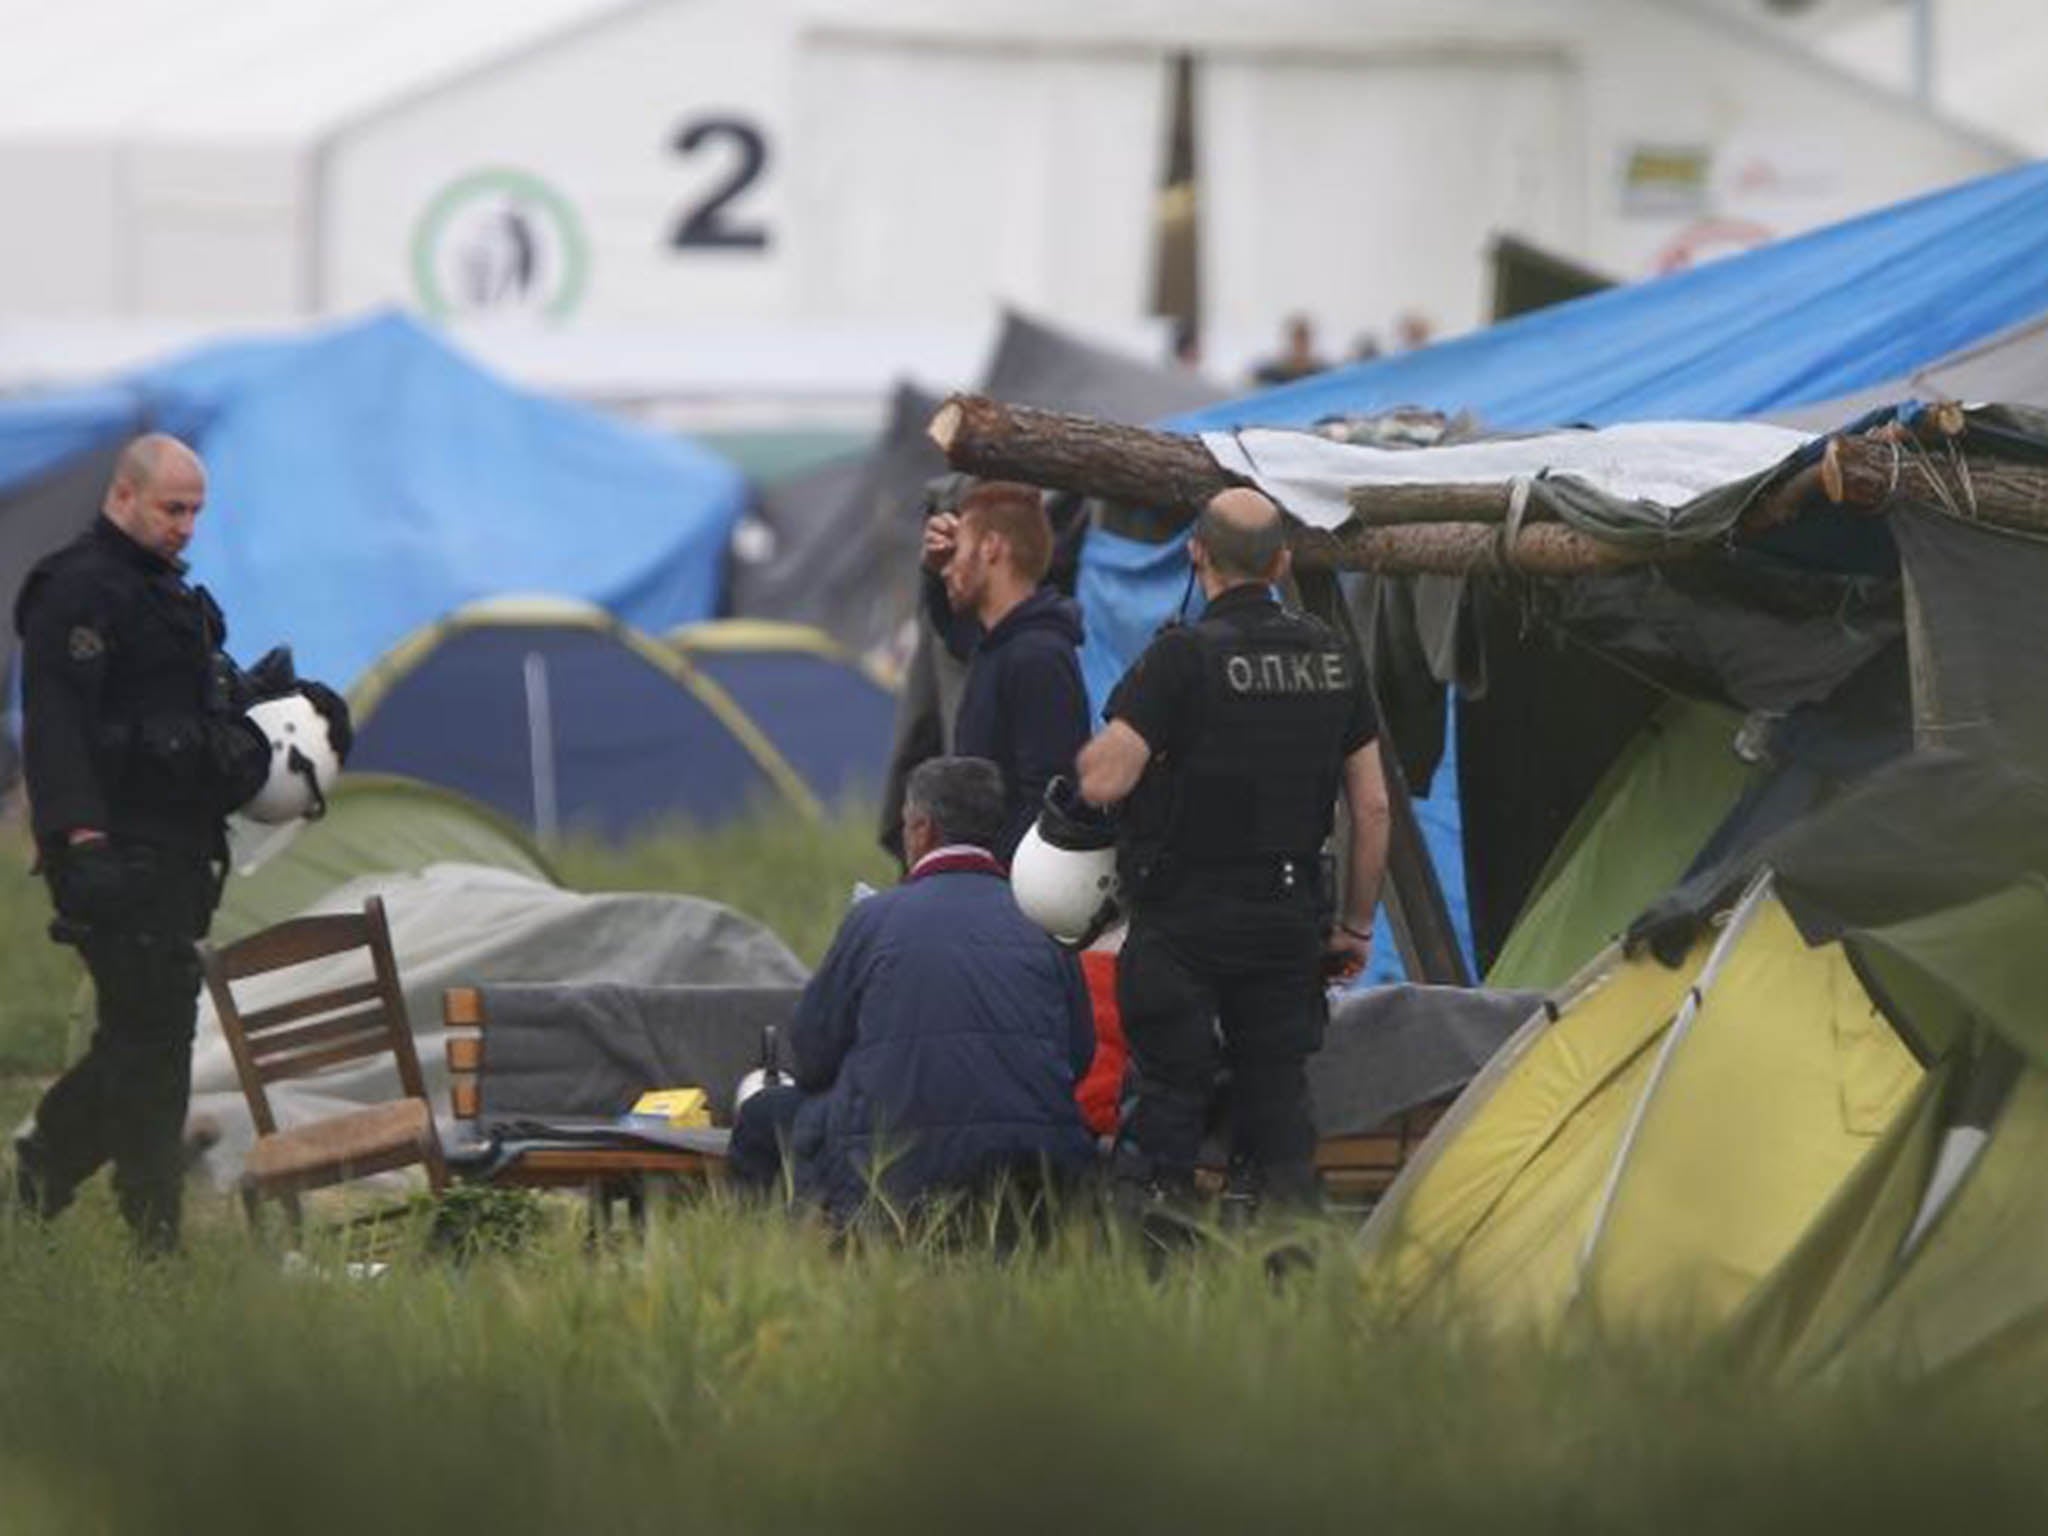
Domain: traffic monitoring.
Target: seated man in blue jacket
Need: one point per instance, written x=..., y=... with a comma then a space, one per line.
x=938, y=1045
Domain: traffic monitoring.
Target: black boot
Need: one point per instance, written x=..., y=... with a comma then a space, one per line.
x=1159, y=1209
x=33, y=1194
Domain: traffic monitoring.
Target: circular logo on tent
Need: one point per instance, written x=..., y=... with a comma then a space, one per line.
x=499, y=242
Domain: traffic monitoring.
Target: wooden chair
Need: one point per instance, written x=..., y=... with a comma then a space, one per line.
x=310, y=1034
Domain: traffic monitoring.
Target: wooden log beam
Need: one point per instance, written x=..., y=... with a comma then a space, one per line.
x=1459, y=549
x=1454, y=529
x=994, y=441
x=1865, y=473
x=1397, y=506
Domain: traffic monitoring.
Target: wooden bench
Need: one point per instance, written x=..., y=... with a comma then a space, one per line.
x=1356, y=1169
x=605, y=1173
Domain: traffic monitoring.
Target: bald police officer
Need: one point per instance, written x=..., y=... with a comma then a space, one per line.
x=1227, y=745
x=135, y=751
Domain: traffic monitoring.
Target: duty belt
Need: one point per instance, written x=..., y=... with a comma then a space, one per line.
x=1255, y=874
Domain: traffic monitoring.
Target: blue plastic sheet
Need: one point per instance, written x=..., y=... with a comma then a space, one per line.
x=1799, y=321
x=369, y=479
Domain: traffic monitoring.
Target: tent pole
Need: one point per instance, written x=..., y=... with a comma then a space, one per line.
x=1413, y=895
x=1695, y=999
x=540, y=746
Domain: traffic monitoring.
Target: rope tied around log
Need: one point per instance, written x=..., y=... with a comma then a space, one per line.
x=1962, y=469
x=1511, y=525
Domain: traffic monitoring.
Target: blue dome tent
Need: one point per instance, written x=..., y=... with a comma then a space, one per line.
x=830, y=719
x=565, y=719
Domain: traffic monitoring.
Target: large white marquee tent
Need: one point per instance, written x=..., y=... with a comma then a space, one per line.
x=605, y=167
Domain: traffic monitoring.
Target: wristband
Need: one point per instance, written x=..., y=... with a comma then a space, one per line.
x=1355, y=933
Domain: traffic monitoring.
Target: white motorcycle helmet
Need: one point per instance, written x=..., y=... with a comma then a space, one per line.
x=1064, y=871
x=303, y=762
x=766, y=1075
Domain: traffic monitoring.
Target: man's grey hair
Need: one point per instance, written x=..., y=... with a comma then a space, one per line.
x=961, y=796
x=1243, y=532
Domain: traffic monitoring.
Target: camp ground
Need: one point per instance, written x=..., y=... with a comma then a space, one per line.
x=608, y=1098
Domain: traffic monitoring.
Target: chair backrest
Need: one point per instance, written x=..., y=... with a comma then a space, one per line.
x=319, y=1030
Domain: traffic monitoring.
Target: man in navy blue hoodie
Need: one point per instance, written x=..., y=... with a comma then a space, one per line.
x=1024, y=707
x=938, y=1045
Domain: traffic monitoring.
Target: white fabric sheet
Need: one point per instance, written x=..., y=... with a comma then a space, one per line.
x=1665, y=463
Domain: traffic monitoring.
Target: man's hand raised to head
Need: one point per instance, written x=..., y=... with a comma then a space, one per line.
x=941, y=535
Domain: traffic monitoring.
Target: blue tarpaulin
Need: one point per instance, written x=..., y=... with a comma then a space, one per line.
x=1804, y=320
x=369, y=479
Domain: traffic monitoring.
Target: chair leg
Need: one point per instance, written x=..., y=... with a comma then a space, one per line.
x=252, y=1209
x=437, y=1165
x=295, y=1217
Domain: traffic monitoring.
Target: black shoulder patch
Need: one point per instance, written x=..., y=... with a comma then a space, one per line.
x=86, y=644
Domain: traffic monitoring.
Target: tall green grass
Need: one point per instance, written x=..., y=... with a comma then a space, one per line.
x=38, y=979
x=793, y=874
x=736, y=1374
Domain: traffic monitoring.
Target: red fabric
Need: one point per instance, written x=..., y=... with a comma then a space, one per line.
x=957, y=861
x=1098, y=1093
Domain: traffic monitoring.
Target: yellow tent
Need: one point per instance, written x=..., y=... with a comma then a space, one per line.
x=1659, y=1146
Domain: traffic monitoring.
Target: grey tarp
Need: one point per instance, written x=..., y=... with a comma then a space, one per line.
x=1040, y=366
x=1391, y=1049
x=467, y=925
x=842, y=541
x=591, y=1049
x=586, y=1050
x=837, y=547
x=2011, y=368
x=1980, y=677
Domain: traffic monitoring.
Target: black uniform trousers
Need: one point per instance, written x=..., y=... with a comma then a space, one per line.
x=1241, y=959
x=125, y=1100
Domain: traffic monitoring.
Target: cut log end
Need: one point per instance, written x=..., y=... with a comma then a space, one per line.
x=945, y=427
x=1831, y=471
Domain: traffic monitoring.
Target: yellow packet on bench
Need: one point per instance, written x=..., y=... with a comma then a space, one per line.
x=682, y=1108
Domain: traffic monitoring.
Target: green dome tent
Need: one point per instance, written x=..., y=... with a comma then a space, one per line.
x=375, y=824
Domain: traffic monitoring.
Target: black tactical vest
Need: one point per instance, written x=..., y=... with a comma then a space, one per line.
x=1261, y=778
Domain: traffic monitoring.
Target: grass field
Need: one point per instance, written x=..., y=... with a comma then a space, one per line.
x=737, y=1373
x=734, y=1374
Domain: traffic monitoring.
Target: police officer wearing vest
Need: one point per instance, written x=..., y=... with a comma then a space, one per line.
x=1227, y=745
x=135, y=751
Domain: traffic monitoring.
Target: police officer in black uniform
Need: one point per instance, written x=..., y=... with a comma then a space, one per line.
x=1228, y=743
x=135, y=751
